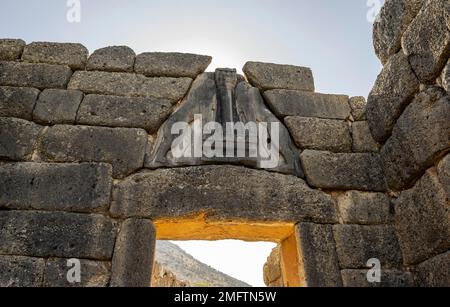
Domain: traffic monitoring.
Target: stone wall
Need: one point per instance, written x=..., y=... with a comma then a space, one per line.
x=80, y=135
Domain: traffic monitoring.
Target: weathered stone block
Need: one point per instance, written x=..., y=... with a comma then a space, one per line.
x=57, y=107
x=72, y=55
x=40, y=76
x=317, y=251
x=445, y=77
x=113, y=111
x=11, y=49
x=56, y=234
x=297, y=103
x=394, y=89
x=160, y=64
x=364, y=208
x=356, y=245
x=320, y=134
x=444, y=173
x=93, y=274
x=17, y=102
x=362, y=138
x=266, y=76
x=389, y=279
x=392, y=22
x=343, y=171
x=434, y=272
x=59, y=187
x=131, y=85
x=419, y=138
x=122, y=147
x=422, y=217
x=16, y=271
x=358, y=105
x=17, y=138
x=132, y=264
x=427, y=40
x=238, y=193
x=113, y=59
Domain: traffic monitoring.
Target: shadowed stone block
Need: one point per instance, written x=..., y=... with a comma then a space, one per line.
x=53, y=234
x=297, y=103
x=17, y=271
x=394, y=89
x=358, y=106
x=93, y=274
x=221, y=193
x=122, y=147
x=113, y=59
x=72, y=55
x=356, y=245
x=343, y=171
x=40, y=76
x=132, y=264
x=11, y=49
x=389, y=279
x=17, y=138
x=112, y=111
x=160, y=64
x=266, y=76
x=362, y=138
x=57, y=107
x=423, y=220
x=320, y=134
x=427, y=40
x=317, y=252
x=130, y=85
x=59, y=187
x=17, y=102
x=364, y=208
x=434, y=272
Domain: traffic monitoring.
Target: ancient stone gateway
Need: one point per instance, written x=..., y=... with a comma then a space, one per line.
x=88, y=171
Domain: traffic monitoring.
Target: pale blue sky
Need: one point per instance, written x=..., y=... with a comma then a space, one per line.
x=333, y=37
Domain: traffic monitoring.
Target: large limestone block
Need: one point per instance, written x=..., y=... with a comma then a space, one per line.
x=113, y=59
x=17, y=102
x=11, y=49
x=266, y=76
x=161, y=64
x=362, y=138
x=445, y=77
x=444, y=173
x=57, y=107
x=73, y=55
x=58, y=187
x=221, y=193
x=17, y=138
x=434, y=272
x=17, y=271
x=364, y=208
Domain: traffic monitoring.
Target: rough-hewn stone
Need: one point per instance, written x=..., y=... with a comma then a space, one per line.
x=266, y=76
x=11, y=49
x=17, y=271
x=389, y=279
x=56, y=234
x=317, y=251
x=57, y=106
x=358, y=105
x=320, y=134
x=113, y=59
x=362, y=138
x=419, y=138
x=423, y=220
x=427, y=40
x=93, y=273
x=17, y=138
x=72, y=55
x=221, y=193
x=131, y=85
x=364, y=208
x=124, y=148
x=392, y=22
x=59, y=187
x=132, y=264
x=113, y=111
x=445, y=77
x=161, y=64
x=356, y=245
x=343, y=171
x=298, y=103
x=17, y=102
x=40, y=76
x=394, y=89
x=273, y=275
x=444, y=173
x=434, y=272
